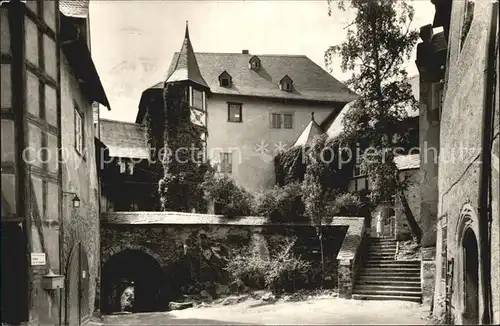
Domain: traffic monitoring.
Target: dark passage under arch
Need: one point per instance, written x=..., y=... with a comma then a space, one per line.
x=149, y=282
x=471, y=278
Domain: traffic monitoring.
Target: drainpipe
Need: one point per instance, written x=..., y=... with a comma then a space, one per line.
x=485, y=168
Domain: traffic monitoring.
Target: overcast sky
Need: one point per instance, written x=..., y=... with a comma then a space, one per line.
x=133, y=41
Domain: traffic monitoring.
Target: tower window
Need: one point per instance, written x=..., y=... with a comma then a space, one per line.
x=197, y=99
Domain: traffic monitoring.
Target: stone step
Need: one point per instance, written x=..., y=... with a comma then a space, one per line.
x=381, y=247
x=392, y=242
x=389, y=292
x=407, y=269
x=392, y=262
x=382, y=252
x=365, y=288
x=389, y=272
x=384, y=281
x=385, y=297
x=386, y=278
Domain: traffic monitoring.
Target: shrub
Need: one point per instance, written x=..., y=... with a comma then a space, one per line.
x=228, y=197
x=248, y=267
x=281, y=271
x=343, y=204
x=285, y=271
x=281, y=204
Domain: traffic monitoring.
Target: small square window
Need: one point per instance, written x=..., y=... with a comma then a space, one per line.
x=288, y=121
x=225, y=82
x=234, y=112
x=276, y=120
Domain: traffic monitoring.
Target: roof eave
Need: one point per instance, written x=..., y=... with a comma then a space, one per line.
x=80, y=60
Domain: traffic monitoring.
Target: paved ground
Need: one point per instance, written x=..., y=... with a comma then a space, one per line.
x=328, y=311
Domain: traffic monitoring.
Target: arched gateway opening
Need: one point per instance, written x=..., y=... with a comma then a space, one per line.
x=137, y=270
x=471, y=277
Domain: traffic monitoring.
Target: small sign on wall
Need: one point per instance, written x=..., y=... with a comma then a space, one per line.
x=38, y=259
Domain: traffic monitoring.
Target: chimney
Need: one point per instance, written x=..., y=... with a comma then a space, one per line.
x=244, y=52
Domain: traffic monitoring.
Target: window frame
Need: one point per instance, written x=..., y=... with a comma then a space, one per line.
x=292, y=115
x=279, y=114
x=229, y=104
x=193, y=91
x=225, y=79
x=78, y=113
x=226, y=167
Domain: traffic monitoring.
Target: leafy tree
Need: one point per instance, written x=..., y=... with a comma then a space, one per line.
x=378, y=41
x=184, y=170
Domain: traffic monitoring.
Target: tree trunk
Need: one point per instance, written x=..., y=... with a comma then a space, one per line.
x=322, y=258
x=415, y=228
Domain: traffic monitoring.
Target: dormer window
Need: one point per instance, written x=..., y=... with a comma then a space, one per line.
x=286, y=84
x=225, y=79
x=254, y=63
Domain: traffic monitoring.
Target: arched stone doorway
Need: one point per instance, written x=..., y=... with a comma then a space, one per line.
x=147, y=275
x=471, y=277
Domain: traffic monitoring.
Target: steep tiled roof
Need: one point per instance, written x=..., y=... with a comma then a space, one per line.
x=310, y=81
x=407, y=162
x=124, y=139
x=336, y=126
x=307, y=136
x=185, y=67
x=74, y=8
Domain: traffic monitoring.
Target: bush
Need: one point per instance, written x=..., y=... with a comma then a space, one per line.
x=230, y=199
x=343, y=204
x=248, y=267
x=281, y=271
x=281, y=204
x=285, y=271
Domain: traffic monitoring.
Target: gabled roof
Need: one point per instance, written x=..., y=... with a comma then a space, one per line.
x=407, y=162
x=286, y=78
x=124, y=139
x=312, y=130
x=225, y=74
x=185, y=67
x=311, y=82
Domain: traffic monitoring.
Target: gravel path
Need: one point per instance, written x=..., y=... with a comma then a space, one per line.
x=329, y=311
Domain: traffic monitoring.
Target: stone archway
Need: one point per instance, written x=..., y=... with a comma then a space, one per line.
x=471, y=277
x=134, y=267
x=468, y=267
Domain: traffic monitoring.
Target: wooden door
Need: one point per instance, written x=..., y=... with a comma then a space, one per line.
x=77, y=290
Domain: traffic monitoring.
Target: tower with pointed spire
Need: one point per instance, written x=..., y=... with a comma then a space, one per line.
x=186, y=74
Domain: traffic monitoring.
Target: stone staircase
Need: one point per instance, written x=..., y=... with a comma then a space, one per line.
x=383, y=278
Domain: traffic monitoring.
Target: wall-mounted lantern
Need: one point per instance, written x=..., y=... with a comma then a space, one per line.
x=75, y=200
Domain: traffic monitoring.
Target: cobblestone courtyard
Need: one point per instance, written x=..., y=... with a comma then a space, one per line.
x=316, y=312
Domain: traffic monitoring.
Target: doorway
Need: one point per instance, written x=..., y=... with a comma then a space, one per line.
x=77, y=295
x=471, y=278
x=14, y=274
x=136, y=271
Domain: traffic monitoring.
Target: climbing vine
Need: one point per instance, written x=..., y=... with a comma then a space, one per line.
x=184, y=164
x=154, y=134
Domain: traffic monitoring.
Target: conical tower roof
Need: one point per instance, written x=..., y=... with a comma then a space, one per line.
x=186, y=68
x=307, y=136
